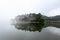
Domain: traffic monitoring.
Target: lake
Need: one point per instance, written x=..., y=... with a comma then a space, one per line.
x=9, y=32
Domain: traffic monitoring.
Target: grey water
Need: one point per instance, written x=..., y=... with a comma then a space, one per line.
x=8, y=32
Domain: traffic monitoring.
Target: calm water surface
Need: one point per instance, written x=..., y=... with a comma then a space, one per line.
x=8, y=32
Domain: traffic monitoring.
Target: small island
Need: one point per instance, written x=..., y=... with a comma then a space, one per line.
x=30, y=22
x=35, y=22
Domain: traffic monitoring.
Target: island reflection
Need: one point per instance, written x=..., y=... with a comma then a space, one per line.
x=30, y=27
x=33, y=27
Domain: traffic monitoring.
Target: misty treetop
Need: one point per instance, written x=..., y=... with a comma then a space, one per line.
x=32, y=17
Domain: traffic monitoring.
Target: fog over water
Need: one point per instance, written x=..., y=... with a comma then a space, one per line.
x=9, y=32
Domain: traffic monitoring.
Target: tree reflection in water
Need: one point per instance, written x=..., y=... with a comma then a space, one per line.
x=30, y=27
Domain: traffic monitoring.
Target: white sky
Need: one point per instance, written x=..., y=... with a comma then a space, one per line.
x=12, y=8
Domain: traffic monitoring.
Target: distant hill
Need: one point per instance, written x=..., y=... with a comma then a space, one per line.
x=53, y=17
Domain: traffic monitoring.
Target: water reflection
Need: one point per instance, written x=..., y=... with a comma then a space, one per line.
x=29, y=27
x=10, y=33
x=57, y=25
x=34, y=26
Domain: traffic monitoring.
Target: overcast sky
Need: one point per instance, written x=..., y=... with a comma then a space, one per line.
x=12, y=8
